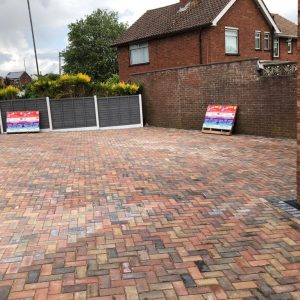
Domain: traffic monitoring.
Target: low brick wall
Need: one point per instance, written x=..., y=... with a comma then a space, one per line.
x=179, y=97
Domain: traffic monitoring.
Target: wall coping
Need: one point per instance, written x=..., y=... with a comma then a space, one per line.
x=197, y=66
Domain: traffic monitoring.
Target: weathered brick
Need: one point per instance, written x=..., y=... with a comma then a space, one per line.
x=246, y=285
x=131, y=293
x=74, y=288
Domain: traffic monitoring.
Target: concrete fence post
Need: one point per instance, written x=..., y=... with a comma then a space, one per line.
x=1, y=123
x=49, y=113
x=97, y=111
x=141, y=110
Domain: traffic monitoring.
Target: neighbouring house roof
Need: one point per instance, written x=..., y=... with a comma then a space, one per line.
x=15, y=75
x=172, y=19
x=287, y=27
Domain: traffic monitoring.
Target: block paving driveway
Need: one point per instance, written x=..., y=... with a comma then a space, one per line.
x=147, y=214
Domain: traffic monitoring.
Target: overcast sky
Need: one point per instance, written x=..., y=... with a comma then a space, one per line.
x=51, y=18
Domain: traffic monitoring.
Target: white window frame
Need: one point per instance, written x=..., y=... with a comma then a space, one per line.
x=267, y=38
x=236, y=30
x=257, y=38
x=136, y=47
x=276, y=41
x=290, y=46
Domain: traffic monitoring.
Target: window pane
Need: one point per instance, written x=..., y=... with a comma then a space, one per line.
x=257, y=40
x=267, y=41
x=231, y=41
x=290, y=49
x=139, y=54
x=276, y=48
x=232, y=33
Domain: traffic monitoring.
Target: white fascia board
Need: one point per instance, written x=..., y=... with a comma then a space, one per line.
x=261, y=4
x=223, y=12
x=282, y=35
x=268, y=15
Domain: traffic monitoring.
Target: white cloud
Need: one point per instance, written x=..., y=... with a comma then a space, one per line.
x=51, y=18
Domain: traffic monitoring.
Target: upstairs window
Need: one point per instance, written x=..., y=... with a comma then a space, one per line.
x=276, y=47
x=139, y=54
x=231, y=40
x=257, y=40
x=290, y=46
x=267, y=41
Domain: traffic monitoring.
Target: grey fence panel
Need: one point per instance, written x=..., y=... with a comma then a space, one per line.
x=73, y=113
x=26, y=105
x=119, y=111
x=79, y=112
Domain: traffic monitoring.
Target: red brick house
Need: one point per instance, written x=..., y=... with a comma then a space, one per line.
x=1, y=81
x=18, y=78
x=285, y=43
x=201, y=32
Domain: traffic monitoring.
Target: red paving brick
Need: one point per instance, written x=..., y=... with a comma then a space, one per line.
x=147, y=214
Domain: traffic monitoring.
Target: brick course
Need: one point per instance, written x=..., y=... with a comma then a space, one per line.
x=179, y=97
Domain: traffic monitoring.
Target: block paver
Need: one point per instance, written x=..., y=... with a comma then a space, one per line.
x=147, y=214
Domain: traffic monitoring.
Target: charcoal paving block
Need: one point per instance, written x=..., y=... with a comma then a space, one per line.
x=202, y=266
x=33, y=277
x=188, y=281
x=4, y=292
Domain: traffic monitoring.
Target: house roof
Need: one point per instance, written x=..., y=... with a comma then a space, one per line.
x=287, y=27
x=170, y=19
x=15, y=75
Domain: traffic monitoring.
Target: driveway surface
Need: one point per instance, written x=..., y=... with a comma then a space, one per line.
x=147, y=214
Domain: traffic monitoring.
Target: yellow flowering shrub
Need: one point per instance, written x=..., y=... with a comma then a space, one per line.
x=78, y=78
x=84, y=78
x=9, y=93
x=78, y=85
x=106, y=89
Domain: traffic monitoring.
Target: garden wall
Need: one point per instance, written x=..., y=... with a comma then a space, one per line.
x=179, y=97
x=80, y=113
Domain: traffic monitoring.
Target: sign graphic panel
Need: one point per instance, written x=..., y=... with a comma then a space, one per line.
x=23, y=121
x=220, y=117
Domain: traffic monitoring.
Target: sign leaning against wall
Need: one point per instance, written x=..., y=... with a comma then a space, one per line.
x=220, y=119
x=23, y=121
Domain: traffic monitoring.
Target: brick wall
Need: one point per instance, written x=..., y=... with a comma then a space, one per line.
x=179, y=97
x=283, y=51
x=179, y=50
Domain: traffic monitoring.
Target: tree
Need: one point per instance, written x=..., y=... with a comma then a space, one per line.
x=89, y=50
